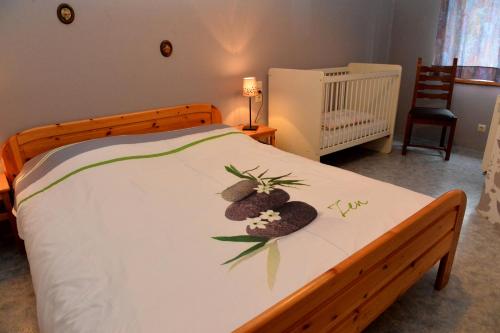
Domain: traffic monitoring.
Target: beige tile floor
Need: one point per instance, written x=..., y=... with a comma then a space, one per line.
x=470, y=302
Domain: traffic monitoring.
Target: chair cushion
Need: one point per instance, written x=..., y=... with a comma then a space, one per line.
x=432, y=113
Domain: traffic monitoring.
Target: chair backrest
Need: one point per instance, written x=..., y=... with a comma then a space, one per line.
x=434, y=82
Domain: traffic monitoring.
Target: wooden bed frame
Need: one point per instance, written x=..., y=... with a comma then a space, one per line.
x=344, y=299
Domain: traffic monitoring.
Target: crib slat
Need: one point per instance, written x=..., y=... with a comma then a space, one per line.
x=346, y=113
x=325, y=113
x=380, y=109
x=330, y=115
x=331, y=127
x=360, y=108
x=341, y=115
x=372, y=105
x=375, y=107
x=384, y=105
x=365, y=105
x=355, y=111
x=357, y=124
x=350, y=111
x=337, y=97
x=357, y=118
x=394, y=98
x=380, y=113
x=388, y=103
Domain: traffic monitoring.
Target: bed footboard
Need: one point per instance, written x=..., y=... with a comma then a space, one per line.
x=348, y=297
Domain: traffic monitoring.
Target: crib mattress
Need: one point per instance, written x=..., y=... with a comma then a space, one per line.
x=336, y=136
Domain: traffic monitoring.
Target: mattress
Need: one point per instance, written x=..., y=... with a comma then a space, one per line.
x=195, y=230
x=348, y=133
x=342, y=118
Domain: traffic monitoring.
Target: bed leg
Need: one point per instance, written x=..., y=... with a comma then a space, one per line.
x=446, y=262
x=444, y=271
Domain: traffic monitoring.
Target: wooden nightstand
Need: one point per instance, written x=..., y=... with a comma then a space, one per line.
x=262, y=134
x=6, y=211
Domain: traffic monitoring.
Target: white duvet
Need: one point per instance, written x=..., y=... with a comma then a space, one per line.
x=127, y=246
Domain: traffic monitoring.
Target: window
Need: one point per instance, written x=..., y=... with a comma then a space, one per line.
x=470, y=31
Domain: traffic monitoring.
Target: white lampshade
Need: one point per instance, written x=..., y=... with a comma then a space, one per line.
x=250, y=87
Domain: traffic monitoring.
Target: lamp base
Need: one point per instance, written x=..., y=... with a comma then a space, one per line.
x=250, y=127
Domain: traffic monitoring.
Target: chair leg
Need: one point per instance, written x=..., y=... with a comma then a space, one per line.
x=450, y=140
x=443, y=136
x=408, y=130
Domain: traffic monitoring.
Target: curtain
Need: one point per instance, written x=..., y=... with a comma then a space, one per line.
x=489, y=204
x=470, y=31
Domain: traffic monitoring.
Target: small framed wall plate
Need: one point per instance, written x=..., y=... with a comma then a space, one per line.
x=65, y=13
x=166, y=48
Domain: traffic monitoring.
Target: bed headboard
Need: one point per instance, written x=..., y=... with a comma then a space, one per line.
x=27, y=144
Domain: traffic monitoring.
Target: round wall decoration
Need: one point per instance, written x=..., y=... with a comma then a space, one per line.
x=166, y=48
x=65, y=13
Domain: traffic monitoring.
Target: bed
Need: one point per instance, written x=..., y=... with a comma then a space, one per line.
x=168, y=220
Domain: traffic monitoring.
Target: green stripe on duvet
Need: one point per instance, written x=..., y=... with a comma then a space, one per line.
x=123, y=158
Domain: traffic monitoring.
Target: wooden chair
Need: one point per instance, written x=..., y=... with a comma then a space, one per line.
x=433, y=82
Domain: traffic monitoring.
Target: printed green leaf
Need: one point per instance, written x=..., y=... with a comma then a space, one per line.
x=235, y=263
x=262, y=174
x=289, y=183
x=273, y=263
x=248, y=251
x=247, y=171
x=236, y=173
x=241, y=238
x=279, y=177
x=233, y=170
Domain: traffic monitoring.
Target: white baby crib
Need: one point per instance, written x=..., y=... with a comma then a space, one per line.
x=321, y=111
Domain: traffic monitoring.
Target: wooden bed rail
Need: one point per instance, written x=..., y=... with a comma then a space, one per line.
x=29, y=143
x=348, y=297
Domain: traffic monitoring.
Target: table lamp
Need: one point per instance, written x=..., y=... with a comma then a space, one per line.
x=250, y=90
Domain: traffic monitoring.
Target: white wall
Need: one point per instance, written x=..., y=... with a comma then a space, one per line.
x=413, y=35
x=108, y=60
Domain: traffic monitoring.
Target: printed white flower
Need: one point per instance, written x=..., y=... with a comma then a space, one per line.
x=264, y=188
x=256, y=222
x=270, y=215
